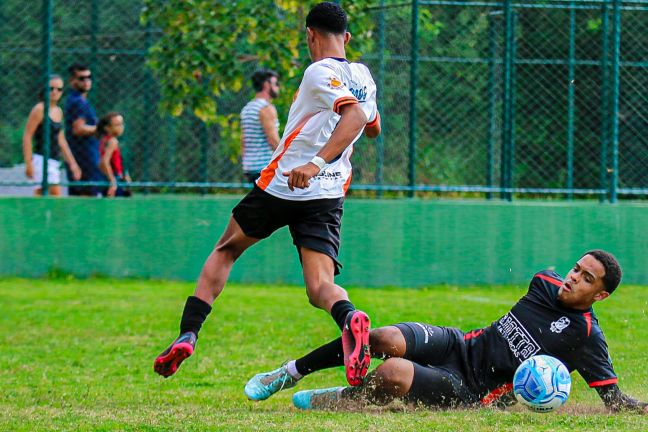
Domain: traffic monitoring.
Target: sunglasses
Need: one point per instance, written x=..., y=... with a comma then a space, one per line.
x=84, y=78
x=60, y=89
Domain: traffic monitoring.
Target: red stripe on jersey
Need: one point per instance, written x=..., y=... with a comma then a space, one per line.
x=268, y=172
x=496, y=394
x=588, y=320
x=604, y=382
x=550, y=279
x=473, y=334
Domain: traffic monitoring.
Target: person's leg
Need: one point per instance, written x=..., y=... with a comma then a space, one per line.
x=392, y=379
x=211, y=281
x=319, y=270
x=218, y=265
x=396, y=378
x=55, y=190
x=385, y=341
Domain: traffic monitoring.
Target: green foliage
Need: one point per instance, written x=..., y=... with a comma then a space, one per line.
x=78, y=354
x=208, y=49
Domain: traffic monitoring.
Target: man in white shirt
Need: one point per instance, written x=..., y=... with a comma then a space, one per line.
x=302, y=187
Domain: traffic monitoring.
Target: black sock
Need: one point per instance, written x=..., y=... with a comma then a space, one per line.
x=194, y=315
x=340, y=310
x=324, y=357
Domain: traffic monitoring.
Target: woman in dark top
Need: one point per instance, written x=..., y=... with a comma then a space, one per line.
x=34, y=134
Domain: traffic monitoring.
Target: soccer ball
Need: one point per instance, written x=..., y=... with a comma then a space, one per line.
x=542, y=383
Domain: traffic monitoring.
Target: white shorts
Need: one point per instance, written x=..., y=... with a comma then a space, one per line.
x=53, y=170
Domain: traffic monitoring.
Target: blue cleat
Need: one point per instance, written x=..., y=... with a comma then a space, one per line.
x=264, y=385
x=317, y=399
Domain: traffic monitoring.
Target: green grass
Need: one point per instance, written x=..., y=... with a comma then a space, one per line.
x=77, y=355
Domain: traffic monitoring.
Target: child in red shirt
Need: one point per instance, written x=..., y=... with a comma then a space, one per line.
x=111, y=127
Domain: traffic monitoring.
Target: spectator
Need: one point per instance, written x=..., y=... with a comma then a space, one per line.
x=35, y=133
x=259, y=124
x=80, y=128
x=111, y=127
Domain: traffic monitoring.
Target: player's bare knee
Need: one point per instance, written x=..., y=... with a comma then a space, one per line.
x=387, y=342
x=395, y=376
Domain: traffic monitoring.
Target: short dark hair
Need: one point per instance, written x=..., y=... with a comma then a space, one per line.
x=261, y=76
x=105, y=121
x=328, y=17
x=77, y=67
x=612, y=268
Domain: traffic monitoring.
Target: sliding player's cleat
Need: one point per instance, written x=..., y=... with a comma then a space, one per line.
x=317, y=399
x=264, y=385
x=168, y=362
x=355, y=344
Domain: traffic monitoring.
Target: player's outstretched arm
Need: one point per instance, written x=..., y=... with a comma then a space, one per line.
x=616, y=400
x=352, y=120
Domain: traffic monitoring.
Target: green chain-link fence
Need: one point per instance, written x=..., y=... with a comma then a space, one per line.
x=500, y=99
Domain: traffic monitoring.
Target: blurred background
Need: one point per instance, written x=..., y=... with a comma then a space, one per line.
x=478, y=98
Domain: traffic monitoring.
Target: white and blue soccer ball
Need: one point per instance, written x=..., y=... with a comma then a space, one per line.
x=542, y=383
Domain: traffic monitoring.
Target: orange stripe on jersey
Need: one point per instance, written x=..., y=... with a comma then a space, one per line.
x=375, y=121
x=347, y=183
x=268, y=172
x=344, y=100
x=550, y=279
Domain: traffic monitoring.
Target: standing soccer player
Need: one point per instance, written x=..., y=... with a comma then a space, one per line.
x=303, y=187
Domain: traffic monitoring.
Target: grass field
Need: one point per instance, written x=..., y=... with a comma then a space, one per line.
x=77, y=355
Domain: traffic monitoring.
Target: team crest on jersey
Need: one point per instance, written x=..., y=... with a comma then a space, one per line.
x=335, y=82
x=561, y=324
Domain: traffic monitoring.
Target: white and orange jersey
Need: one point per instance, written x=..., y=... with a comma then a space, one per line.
x=327, y=85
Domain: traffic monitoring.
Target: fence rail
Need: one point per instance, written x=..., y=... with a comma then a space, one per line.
x=499, y=99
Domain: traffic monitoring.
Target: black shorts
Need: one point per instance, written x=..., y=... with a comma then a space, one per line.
x=439, y=366
x=314, y=224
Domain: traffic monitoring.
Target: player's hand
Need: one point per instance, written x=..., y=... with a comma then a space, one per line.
x=300, y=177
x=29, y=170
x=645, y=410
x=76, y=171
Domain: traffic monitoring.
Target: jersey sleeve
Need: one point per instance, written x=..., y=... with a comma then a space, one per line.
x=594, y=364
x=327, y=88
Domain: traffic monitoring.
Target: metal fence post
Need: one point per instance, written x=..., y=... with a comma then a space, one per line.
x=204, y=144
x=94, y=47
x=413, y=85
x=47, y=71
x=511, y=158
x=380, y=143
x=570, y=100
x=492, y=104
x=616, y=54
x=507, y=87
x=605, y=100
x=148, y=104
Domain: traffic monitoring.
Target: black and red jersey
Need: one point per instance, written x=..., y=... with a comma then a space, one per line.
x=539, y=324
